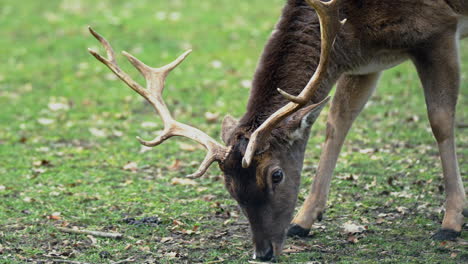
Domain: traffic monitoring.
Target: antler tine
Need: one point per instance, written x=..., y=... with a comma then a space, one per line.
x=155, y=80
x=259, y=134
x=111, y=63
x=330, y=25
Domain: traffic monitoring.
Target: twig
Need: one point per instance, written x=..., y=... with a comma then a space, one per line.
x=215, y=261
x=60, y=261
x=124, y=261
x=93, y=233
x=462, y=125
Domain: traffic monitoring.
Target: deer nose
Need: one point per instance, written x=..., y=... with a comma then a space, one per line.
x=265, y=255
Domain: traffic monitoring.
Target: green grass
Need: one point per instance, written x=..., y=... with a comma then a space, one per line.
x=63, y=169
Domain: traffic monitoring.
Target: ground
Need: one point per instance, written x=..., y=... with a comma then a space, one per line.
x=69, y=158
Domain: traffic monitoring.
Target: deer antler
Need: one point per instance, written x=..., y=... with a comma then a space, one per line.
x=330, y=25
x=155, y=79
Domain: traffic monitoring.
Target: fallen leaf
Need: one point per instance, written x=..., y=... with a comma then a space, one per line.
x=171, y=254
x=367, y=150
x=117, y=133
x=145, y=248
x=45, y=163
x=211, y=117
x=352, y=228
x=29, y=199
x=247, y=84
x=183, y=181
x=45, y=121
x=56, y=106
x=216, y=64
x=295, y=249
x=144, y=149
x=175, y=166
x=97, y=132
x=54, y=216
x=177, y=222
x=372, y=184
x=402, y=210
x=208, y=197
x=166, y=239
x=54, y=193
x=352, y=239
x=92, y=239
x=131, y=166
x=379, y=220
x=187, y=147
x=149, y=125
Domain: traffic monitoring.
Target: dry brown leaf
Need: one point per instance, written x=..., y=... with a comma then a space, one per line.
x=402, y=210
x=171, y=254
x=54, y=216
x=295, y=249
x=166, y=239
x=129, y=246
x=39, y=163
x=145, y=248
x=177, y=222
x=208, y=197
x=92, y=239
x=379, y=220
x=352, y=239
x=175, y=165
x=131, y=166
x=183, y=181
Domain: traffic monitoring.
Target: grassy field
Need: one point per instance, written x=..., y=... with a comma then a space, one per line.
x=69, y=158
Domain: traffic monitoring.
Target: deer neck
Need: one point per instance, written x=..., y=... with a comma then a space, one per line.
x=288, y=61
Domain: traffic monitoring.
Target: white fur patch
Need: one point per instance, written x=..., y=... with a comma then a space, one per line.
x=300, y=132
x=383, y=61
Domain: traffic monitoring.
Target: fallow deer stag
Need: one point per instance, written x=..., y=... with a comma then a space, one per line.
x=343, y=42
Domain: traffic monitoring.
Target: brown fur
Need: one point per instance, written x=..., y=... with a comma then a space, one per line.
x=377, y=31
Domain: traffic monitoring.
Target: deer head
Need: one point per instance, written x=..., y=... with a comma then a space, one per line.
x=261, y=165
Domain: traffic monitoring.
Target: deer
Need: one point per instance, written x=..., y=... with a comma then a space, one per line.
x=315, y=45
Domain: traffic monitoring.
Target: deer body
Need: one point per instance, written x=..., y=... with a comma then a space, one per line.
x=265, y=149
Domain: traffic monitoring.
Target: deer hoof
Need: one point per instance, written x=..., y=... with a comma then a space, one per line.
x=444, y=234
x=298, y=231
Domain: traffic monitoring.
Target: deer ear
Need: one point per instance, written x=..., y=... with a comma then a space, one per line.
x=298, y=124
x=229, y=123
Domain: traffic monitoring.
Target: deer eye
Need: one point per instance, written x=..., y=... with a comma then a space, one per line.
x=277, y=176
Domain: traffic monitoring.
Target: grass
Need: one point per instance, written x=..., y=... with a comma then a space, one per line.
x=64, y=167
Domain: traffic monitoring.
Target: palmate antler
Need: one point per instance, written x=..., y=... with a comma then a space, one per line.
x=330, y=25
x=155, y=79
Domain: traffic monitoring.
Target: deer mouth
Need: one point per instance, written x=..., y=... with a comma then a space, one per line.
x=266, y=254
x=269, y=252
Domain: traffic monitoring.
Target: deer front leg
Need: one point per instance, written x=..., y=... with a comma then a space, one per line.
x=439, y=71
x=353, y=91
